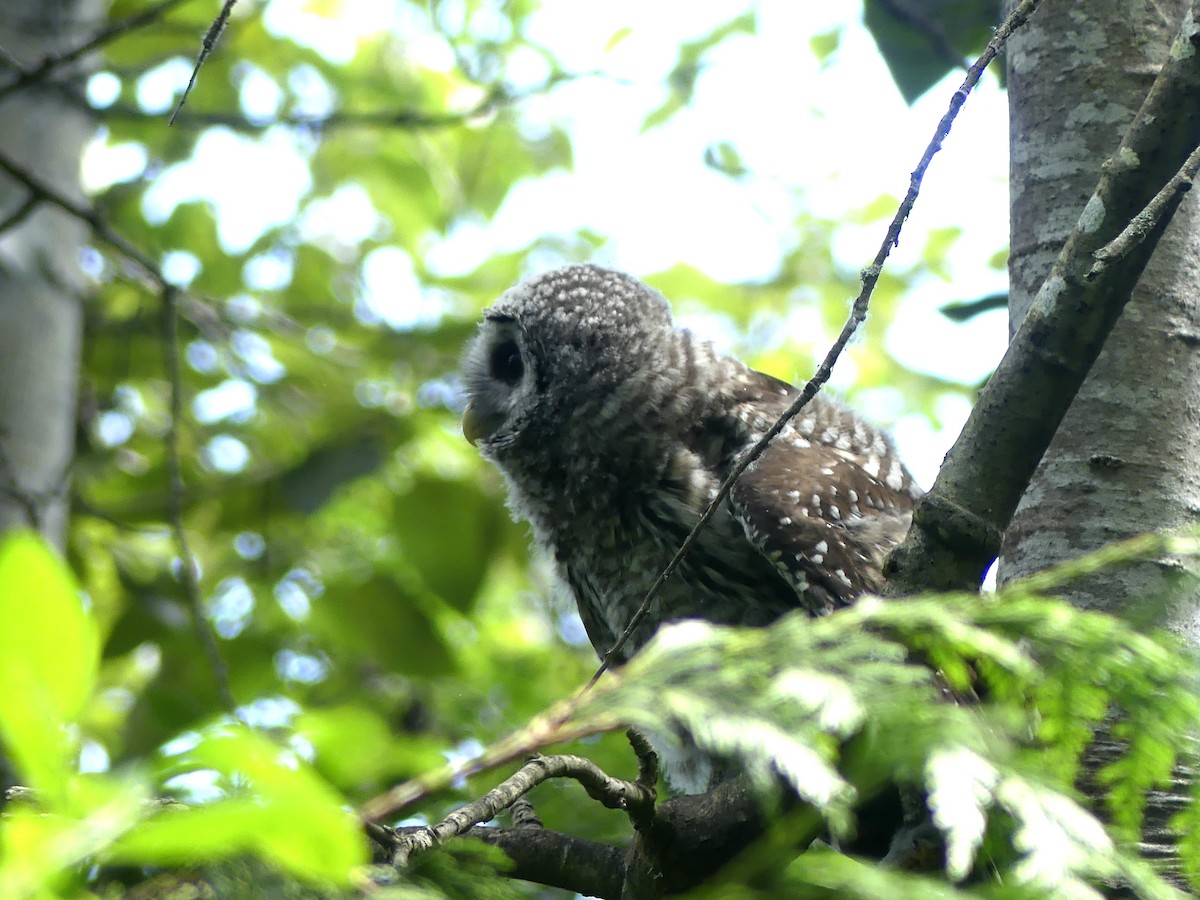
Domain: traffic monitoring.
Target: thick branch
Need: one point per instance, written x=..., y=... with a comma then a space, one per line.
x=559, y=860
x=957, y=525
x=688, y=839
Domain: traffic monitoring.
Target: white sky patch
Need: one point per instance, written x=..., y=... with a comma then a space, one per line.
x=314, y=95
x=258, y=93
x=93, y=758
x=924, y=340
x=391, y=292
x=253, y=183
x=230, y=606
x=249, y=545
x=179, y=267
x=104, y=164
x=103, y=89
x=113, y=428
x=828, y=137
x=202, y=356
x=924, y=444
x=201, y=786
x=268, y=271
x=269, y=712
x=341, y=221
x=160, y=87
x=225, y=454
x=292, y=600
x=255, y=353
x=303, y=668
x=335, y=37
x=232, y=399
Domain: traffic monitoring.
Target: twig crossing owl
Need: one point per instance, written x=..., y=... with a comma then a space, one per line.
x=614, y=430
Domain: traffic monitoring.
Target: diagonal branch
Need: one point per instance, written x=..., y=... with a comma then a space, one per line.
x=100, y=227
x=686, y=839
x=189, y=575
x=56, y=61
x=957, y=526
x=215, y=30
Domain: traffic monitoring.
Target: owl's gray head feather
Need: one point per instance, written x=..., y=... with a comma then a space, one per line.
x=579, y=383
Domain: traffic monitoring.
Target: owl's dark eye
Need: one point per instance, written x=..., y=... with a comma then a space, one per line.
x=506, y=363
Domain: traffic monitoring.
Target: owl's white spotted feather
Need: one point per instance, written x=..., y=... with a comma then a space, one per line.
x=614, y=429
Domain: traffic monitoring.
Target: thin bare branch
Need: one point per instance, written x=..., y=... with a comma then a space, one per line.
x=613, y=793
x=20, y=214
x=1144, y=223
x=189, y=575
x=207, y=46
x=102, y=230
x=858, y=312
x=197, y=311
x=551, y=727
x=171, y=298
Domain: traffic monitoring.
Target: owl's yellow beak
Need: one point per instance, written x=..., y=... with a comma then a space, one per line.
x=472, y=425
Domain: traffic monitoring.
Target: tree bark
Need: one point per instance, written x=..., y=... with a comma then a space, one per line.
x=1126, y=458
x=41, y=282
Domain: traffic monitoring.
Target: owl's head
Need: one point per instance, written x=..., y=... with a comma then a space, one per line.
x=571, y=351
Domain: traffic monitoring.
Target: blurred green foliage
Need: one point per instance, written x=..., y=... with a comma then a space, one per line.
x=835, y=707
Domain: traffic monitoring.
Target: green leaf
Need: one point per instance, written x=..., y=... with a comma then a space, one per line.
x=922, y=47
x=682, y=80
x=282, y=812
x=49, y=658
x=449, y=531
x=616, y=38
x=38, y=850
x=723, y=157
x=355, y=747
x=825, y=44
x=384, y=620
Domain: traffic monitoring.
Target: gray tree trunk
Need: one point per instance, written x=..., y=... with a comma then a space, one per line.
x=41, y=284
x=1126, y=459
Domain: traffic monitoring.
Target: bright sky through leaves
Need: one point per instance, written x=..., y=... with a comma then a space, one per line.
x=830, y=136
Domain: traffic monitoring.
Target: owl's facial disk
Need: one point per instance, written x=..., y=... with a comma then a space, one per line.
x=494, y=368
x=555, y=358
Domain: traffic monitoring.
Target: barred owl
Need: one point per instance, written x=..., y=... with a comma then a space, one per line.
x=614, y=429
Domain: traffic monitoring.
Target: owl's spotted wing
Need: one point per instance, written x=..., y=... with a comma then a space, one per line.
x=825, y=502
